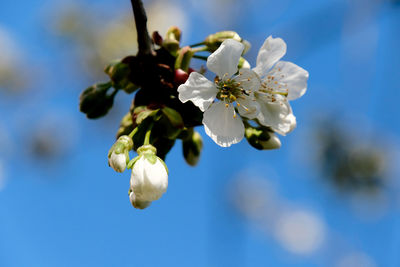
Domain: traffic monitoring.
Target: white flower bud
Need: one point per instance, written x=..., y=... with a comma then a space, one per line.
x=118, y=156
x=117, y=161
x=149, y=179
x=272, y=143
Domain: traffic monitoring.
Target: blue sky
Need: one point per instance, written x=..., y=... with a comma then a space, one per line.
x=71, y=209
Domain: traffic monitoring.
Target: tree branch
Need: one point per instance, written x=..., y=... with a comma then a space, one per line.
x=144, y=41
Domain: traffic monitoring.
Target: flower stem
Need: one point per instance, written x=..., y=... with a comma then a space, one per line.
x=197, y=44
x=200, y=49
x=133, y=132
x=147, y=136
x=200, y=57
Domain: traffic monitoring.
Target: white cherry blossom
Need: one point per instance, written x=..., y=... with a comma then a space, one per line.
x=218, y=99
x=281, y=81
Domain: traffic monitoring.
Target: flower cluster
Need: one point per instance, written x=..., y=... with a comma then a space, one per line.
x=261, y=94
x=171, y=99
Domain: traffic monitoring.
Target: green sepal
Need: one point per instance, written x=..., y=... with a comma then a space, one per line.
x=132, y=162
x=165, y=165
x=142, y=113
x=150, y=157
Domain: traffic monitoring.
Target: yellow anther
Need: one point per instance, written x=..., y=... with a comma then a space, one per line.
x=275, y=82
x=234, y=115
x=248, y=79
x=226, y=105
x=233, y=98
x=238, y=104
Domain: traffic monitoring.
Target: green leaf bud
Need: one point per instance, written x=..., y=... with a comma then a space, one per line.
x=192, y=147
x=172, y=39
x=262, y=138
x=95, y=102
x=119, y=73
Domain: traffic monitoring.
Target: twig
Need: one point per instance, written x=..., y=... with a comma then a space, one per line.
x=144, y=41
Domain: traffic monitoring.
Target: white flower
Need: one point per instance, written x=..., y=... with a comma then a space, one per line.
x=220, y=120
x=118, y=156
x=117, y=161
x=281, y=81
x=149, y=179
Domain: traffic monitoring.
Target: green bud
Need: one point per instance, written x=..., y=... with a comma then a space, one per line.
x=192, y=147
x=243, y=64
x=262, y=138
x=95, y=102
x=172, y=39
x=213, y=41
x=119, y=73
x=141, y=113
x=183, y=59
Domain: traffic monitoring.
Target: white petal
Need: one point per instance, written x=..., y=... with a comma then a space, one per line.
x=117, y=161
x=137, y=203
x=248, y=80
x=221, y=125
x=270, y=52
x=199, y=90
x=276, y=115
x=291, y=77
x=225, y=60
x=248, y=107
x=293, y=122
x=148, y=181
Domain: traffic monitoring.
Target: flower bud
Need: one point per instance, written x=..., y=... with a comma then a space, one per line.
x=171, y=41
x=243, y=64
x=262, y=138
x=118, y=156
x=95, y=102
x=119, y=75
x=213, y=41
x=192, y=148
x=149, y=179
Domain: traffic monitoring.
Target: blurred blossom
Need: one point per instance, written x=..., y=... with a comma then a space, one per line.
x=11, y=68
x=352, y=162
x=356, y=259
x=101, y=39
x=254, y=197
x=300, y=231
x=49, y=141
x=6, y=144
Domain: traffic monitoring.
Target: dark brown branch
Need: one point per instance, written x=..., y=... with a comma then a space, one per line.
x=144, y=41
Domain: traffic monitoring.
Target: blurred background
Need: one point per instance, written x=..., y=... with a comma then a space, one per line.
x=328, y=197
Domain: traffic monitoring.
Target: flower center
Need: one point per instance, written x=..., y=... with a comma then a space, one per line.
x=229, y=90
